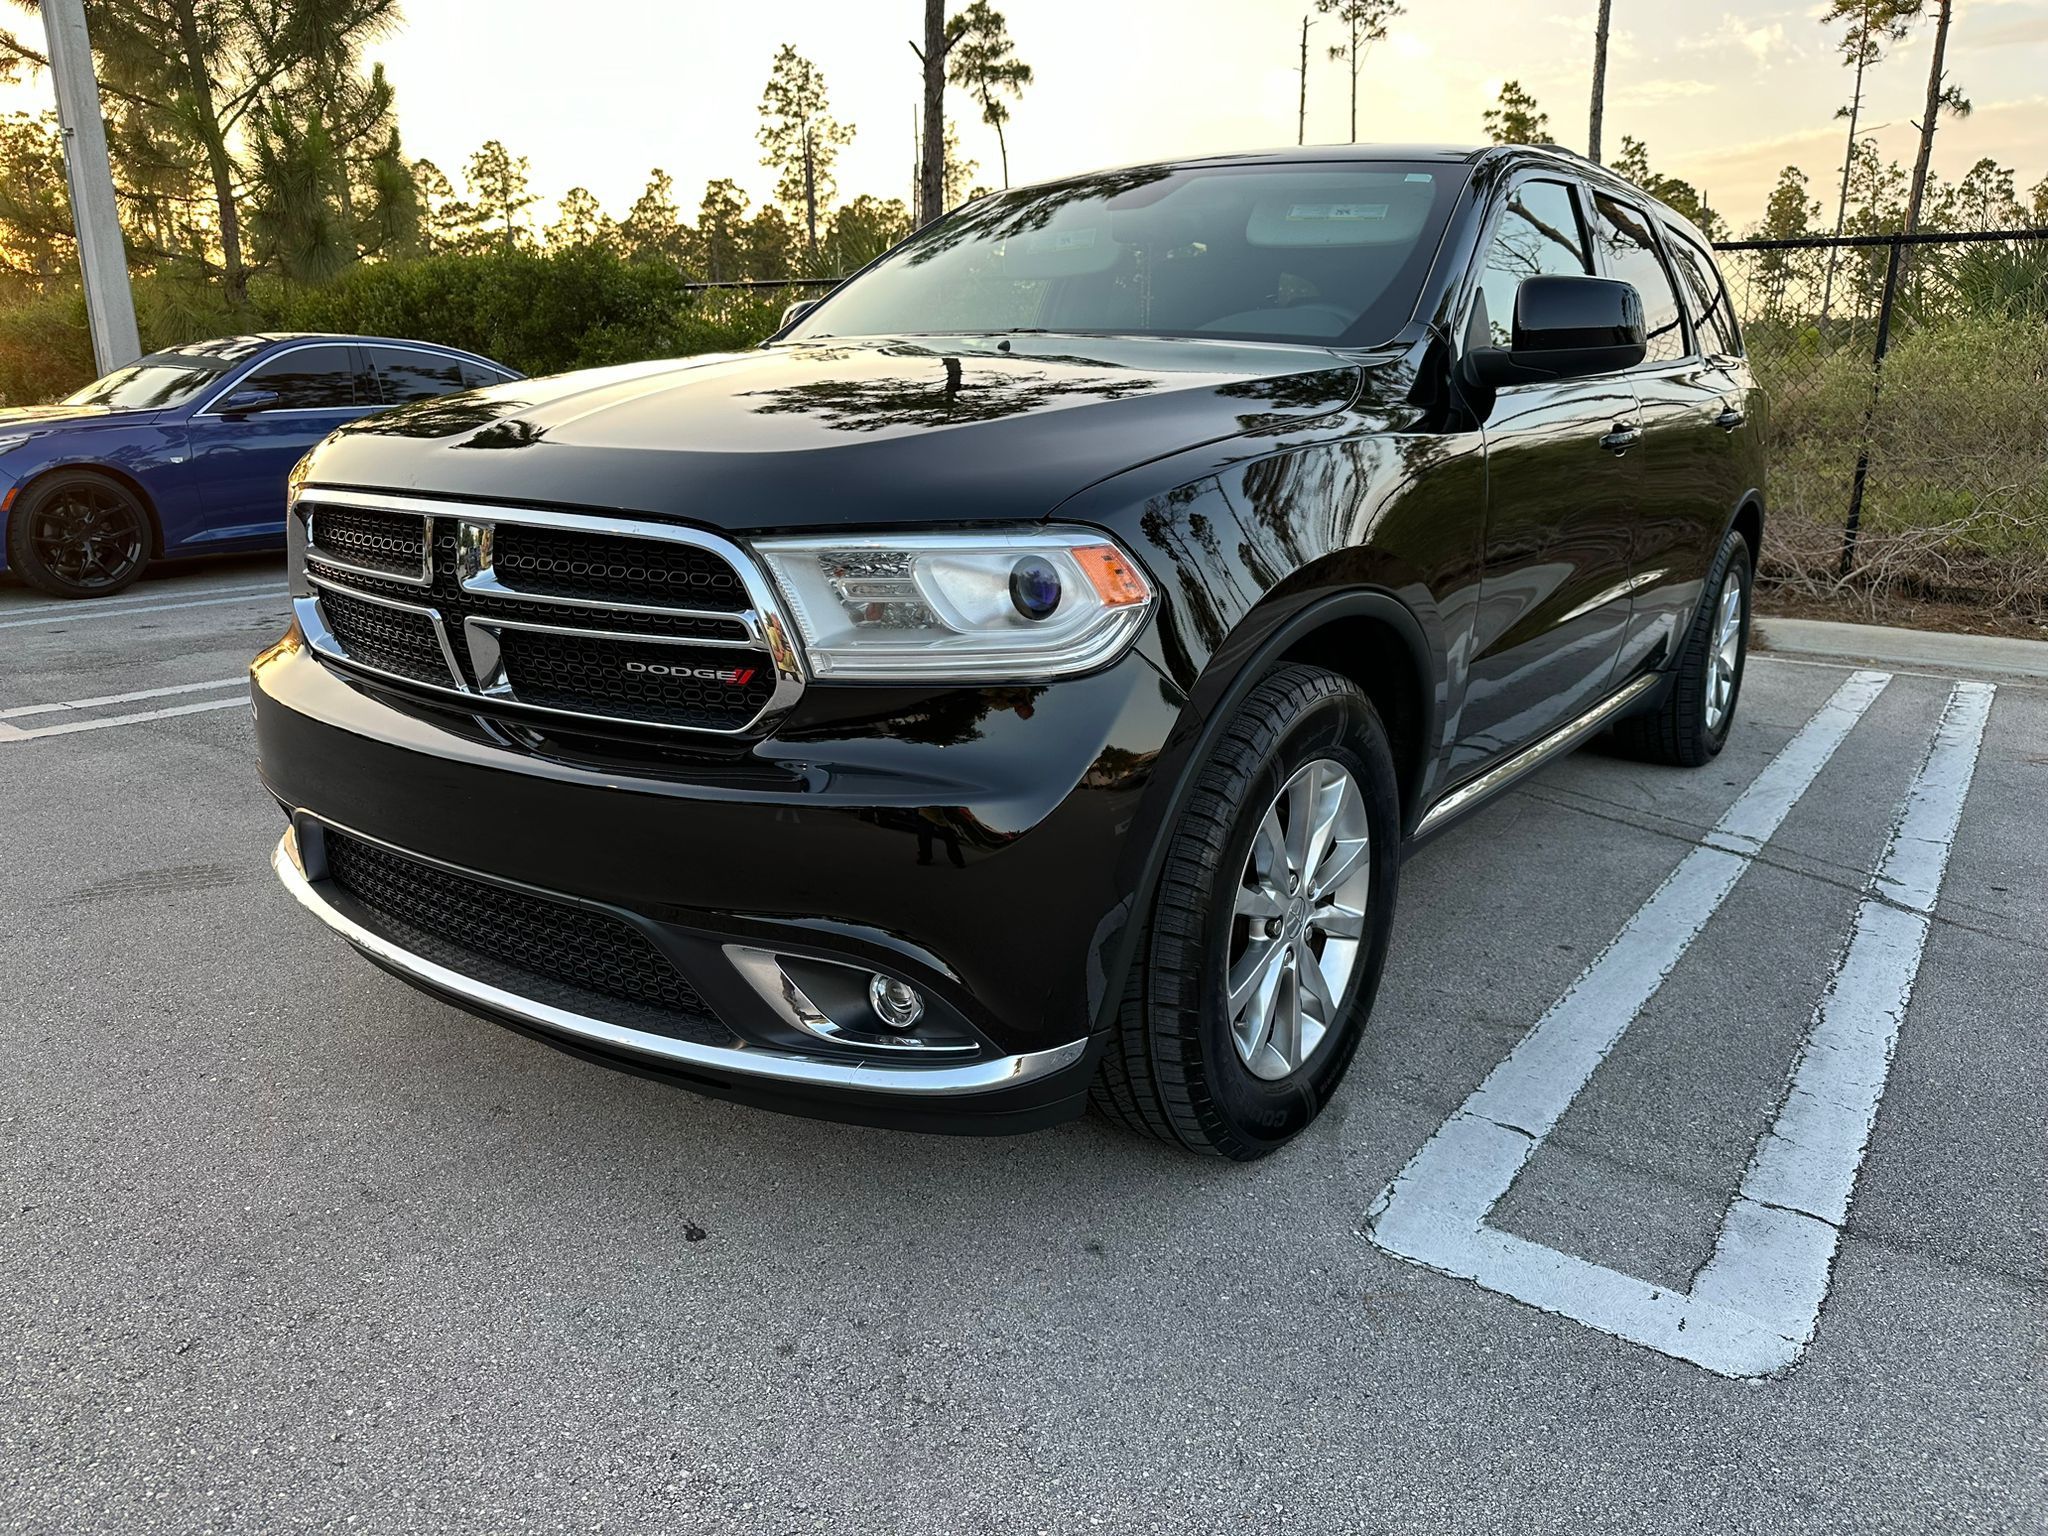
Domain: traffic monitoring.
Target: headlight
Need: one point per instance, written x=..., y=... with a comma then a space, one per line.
x=942, y=607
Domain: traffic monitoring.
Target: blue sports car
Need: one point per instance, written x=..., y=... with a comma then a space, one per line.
x=185, y=452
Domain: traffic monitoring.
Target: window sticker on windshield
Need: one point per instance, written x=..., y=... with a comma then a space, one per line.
x=1422, y=176
x=1323, y=213
x=1073, y=239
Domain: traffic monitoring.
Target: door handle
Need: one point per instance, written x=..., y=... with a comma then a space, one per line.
x=1729, y=419
x=1625, y=436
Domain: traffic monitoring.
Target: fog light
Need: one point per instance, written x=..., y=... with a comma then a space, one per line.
x=897, y=1004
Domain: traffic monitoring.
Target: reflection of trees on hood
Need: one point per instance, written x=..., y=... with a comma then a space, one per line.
x=446, y=416
x=1021, y=213
x=944, y=393
x=1288, y=398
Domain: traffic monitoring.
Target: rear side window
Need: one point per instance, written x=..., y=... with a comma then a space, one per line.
x=307, y=379
x=403, y=374
x=1538, y=235
x=1629, y=252
x=1706, y=298
x=476, y=376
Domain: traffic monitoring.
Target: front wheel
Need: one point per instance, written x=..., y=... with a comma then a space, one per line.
x=1268, y=929
x=78, y=534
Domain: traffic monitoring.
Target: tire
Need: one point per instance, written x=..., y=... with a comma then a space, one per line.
x=1688, y=728
x=1178, y=1065
x=78, y=534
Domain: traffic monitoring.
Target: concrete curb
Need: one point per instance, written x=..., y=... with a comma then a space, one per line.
x=1928, y=648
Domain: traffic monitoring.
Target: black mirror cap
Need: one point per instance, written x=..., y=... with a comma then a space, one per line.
x=1567, y=327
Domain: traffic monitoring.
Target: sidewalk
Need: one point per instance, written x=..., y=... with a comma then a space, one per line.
x=1928, y=648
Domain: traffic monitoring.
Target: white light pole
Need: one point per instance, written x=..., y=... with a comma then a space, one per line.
x=109, y=306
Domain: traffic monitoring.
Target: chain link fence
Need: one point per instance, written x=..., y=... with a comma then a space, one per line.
x=754, y=303
x=1907, y=385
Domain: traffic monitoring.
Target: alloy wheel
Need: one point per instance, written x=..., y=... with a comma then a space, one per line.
x=1299, y=920
x=89, y=536
x=1724, y=661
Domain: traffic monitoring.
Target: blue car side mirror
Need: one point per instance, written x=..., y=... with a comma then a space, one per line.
x=244, y=402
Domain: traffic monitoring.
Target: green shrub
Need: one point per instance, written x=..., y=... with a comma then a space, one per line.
x=538, y=313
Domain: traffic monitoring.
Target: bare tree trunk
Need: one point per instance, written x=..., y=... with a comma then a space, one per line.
x=1944, y=10
x=1599, y=80
x=1827, y=287
x=1003, y=149
x=1301, y=112
x=1354, y=82
x=931, y=186
x=217, y=161
x=810, y=192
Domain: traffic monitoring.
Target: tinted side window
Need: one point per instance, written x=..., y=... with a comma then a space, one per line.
x=1538, y=235
x=307, y=379
x=476, y=376
x=1630, y=253
x=1706, y=298
x=404, y=375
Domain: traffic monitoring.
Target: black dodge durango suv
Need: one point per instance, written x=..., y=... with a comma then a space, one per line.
x=1020, y=680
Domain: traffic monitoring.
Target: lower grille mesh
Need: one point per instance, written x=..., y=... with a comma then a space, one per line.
x=389, y=639
x=554, y=952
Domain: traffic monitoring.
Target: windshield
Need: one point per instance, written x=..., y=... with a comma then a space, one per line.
x=1324, y=253
x=164, y=378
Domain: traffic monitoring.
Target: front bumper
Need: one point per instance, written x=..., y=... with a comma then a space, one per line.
x=975, y=844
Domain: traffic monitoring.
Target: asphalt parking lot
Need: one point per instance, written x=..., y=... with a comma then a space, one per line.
x=288, y=1245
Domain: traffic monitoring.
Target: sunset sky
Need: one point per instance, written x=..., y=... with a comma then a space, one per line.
x=1725, y=94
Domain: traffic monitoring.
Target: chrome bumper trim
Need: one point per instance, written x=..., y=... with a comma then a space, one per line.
x=750, y=1062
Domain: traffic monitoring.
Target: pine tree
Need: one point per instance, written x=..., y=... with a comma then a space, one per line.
x=982, y=61
x=799, y=137
x=1515, y=119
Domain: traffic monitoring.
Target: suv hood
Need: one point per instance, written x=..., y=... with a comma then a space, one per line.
x=841, y=433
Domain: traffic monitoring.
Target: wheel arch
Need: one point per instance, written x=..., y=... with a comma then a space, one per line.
x=1748, y=520
x=105, y=471
x=1367, y=635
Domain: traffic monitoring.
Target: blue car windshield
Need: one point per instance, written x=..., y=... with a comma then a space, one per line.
x=163, y=378
x=1317, y=251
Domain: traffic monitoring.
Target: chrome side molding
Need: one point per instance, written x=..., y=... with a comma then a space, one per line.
x=1490, y=783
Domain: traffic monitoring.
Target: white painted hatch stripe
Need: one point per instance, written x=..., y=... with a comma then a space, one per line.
x=1755, y=1304
x=14, y=733
x=269, y=587
x=20, y=711
x=81, y=613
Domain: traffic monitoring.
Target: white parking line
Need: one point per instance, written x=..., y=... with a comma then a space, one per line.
x=21, y=710
x=115, y=604
x=1755, y=1304
x=14, y=733
x=84, y=612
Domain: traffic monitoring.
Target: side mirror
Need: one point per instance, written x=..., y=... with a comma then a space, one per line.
x=245, y=402
x=795, y=312
x=1565, y=328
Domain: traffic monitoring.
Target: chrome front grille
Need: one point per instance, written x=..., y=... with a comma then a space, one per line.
x=564, y=614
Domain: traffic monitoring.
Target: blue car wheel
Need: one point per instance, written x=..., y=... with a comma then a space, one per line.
x=77, y=534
